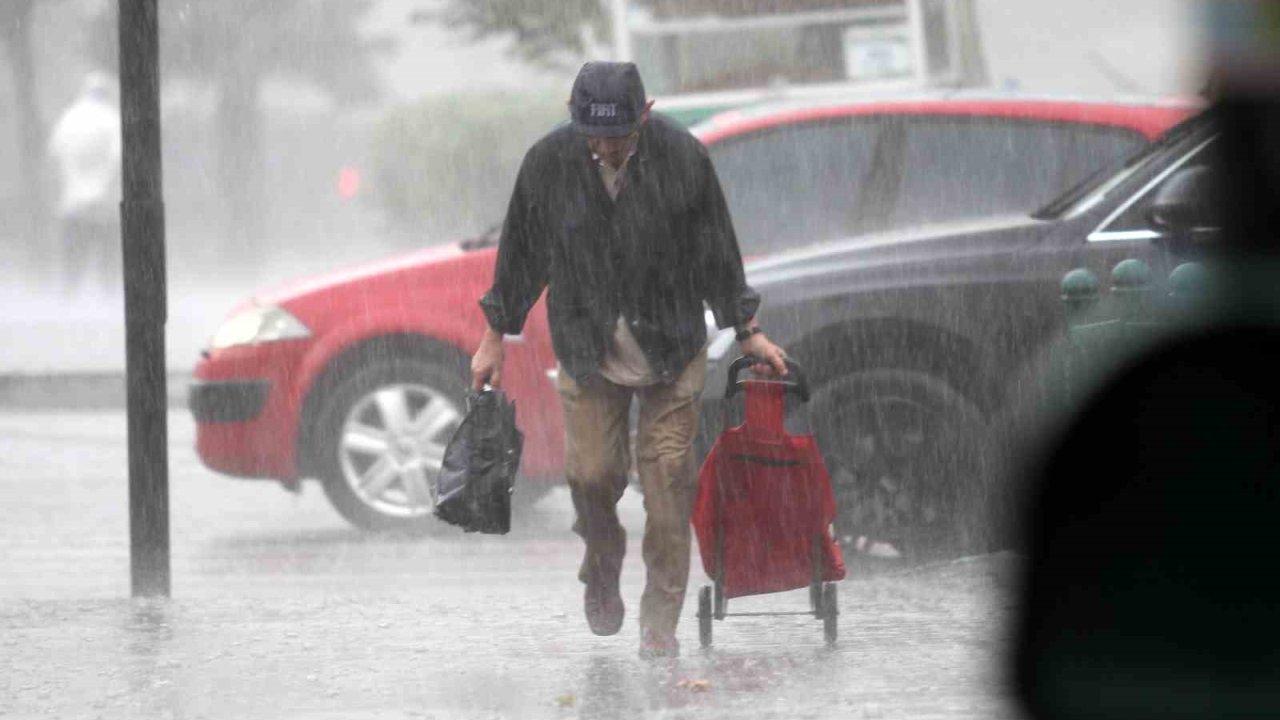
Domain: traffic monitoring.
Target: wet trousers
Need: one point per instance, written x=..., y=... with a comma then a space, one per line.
x=90, y=255
x=597, y=464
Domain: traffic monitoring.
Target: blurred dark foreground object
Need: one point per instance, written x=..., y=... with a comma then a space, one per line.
x=1150, y=586
x=480, y=466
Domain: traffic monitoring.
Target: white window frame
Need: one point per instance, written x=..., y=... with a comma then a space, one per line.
x=915, y=12
x=638, y=25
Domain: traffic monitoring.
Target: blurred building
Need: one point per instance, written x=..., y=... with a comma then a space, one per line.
x=711, y=46
x=1095, y=47
x=708, y=46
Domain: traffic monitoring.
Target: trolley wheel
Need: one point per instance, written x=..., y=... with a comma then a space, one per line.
x=704, y=615
x=815, y=598
x=830, y=612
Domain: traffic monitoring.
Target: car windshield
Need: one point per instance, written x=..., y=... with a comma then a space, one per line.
x=1095, y=188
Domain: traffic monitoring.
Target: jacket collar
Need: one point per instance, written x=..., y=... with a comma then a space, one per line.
x=646, y=147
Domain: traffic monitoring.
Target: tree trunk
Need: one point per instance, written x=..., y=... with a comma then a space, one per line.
x=32, y=218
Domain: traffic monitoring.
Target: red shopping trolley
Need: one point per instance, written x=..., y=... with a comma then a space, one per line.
x=764, y=508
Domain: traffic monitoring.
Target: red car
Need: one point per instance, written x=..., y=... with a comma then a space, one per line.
x=358, y=378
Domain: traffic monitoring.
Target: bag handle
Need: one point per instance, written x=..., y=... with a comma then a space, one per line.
x=473, y=395
x=795, y=381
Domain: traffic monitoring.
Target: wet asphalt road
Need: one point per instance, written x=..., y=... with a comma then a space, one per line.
x=280, y=610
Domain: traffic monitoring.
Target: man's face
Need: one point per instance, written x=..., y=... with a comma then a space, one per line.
x=614, y=151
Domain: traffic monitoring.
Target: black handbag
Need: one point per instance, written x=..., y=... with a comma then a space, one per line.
x=480, y=465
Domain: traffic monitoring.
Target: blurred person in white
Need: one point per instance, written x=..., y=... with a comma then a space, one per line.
x=86, y=149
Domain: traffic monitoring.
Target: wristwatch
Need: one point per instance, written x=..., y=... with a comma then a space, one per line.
x=747, y=332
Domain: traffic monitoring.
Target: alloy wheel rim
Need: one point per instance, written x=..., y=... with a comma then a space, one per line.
x=880, y=459
x=392, y=447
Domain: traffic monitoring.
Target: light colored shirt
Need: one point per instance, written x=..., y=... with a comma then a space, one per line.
x=85, y=145
x=624, y=361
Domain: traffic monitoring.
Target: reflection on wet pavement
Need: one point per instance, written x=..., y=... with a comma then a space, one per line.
x=281, y=611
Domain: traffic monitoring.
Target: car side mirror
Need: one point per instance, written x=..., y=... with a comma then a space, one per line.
x=1184, y=207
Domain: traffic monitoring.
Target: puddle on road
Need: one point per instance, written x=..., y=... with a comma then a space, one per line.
x=919, y=645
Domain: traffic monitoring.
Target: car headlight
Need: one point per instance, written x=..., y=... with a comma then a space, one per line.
x=258, y=325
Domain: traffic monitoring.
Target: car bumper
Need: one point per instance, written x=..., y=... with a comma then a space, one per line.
x=246, y=406
x=227, y=401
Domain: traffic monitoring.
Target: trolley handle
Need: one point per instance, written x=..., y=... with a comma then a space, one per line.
x=795, y=380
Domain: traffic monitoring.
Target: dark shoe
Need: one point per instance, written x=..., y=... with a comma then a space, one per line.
x=657, y=645
x=603, y=607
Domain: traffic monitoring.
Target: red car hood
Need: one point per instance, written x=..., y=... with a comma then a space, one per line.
x=381, y=269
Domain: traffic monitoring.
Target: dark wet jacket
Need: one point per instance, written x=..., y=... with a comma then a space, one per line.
x=654, y=256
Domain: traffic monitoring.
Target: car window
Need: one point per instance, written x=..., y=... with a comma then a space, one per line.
x=956, y=168
x=1094, y=189
x=794, y=184
x=1130, y=220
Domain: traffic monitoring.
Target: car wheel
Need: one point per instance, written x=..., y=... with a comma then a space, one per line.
x=382, y=436
x=906, y=456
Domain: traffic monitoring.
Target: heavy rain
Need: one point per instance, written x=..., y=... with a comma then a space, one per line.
x=238, y=372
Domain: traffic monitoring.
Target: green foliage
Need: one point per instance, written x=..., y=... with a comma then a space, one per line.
x=235, y=44
x=446, y=165
x=546, y=32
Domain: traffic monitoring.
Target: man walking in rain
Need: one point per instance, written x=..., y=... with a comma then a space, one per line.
x=619, y=214
x=86, y=146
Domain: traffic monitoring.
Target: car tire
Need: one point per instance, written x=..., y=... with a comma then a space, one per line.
x=380, y=439
x=907, y=457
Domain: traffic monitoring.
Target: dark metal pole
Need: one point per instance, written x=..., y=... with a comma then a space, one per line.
x=142, y=224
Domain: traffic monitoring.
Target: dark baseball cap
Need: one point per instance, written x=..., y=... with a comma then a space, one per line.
x=607, y=99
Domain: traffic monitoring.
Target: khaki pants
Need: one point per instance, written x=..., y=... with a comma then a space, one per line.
x=598, y=458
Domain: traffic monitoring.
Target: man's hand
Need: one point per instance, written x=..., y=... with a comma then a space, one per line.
x=486, y=364
x=775, y=357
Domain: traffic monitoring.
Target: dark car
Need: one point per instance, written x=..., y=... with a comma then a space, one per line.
x=913, y=340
